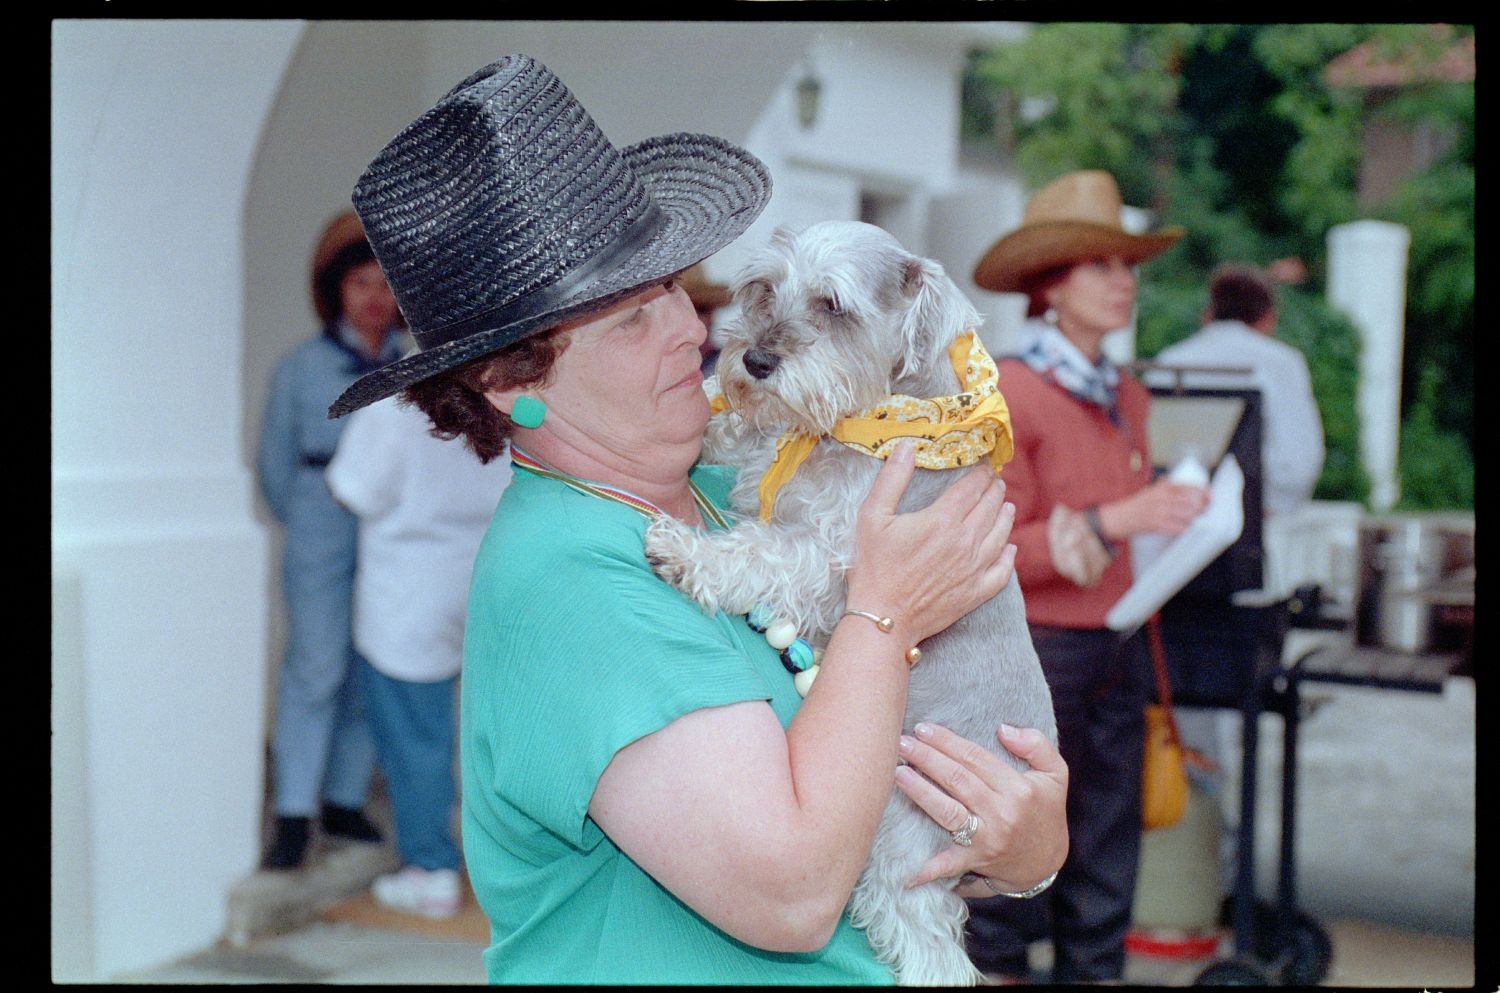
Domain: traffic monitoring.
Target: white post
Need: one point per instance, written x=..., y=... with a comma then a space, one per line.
x=1367, y=281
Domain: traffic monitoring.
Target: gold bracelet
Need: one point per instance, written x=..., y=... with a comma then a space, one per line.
x=885, y=624
x=989, y=884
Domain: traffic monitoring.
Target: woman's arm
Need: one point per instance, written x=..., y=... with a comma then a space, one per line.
x=764, y=831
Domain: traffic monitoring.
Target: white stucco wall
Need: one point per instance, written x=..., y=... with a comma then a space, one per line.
x=962, y=225
x=159, y=642
x=886, y=125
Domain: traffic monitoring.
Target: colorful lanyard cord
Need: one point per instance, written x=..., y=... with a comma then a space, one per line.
x=531, y=464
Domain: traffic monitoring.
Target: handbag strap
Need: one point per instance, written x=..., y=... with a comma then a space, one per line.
x=1163, y=683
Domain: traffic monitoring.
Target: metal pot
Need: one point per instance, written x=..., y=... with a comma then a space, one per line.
x=1403, y=558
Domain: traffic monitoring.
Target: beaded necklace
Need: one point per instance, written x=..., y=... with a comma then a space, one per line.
x=798, y=657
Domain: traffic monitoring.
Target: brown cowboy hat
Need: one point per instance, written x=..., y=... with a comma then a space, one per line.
x=1073, y=218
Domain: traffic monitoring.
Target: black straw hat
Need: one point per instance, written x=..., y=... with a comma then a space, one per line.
x=504, y=211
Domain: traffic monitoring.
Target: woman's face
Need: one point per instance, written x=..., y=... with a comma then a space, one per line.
x=1095, y=297
x=366, y=301
x=629, y=378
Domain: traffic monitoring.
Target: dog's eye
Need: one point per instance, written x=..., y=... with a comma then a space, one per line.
x=831, y=305
x=756, y=294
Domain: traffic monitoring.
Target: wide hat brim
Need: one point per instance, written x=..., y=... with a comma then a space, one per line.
x=1012, y=264
x=708, y=191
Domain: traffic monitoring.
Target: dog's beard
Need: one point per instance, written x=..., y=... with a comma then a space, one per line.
x=807, y=392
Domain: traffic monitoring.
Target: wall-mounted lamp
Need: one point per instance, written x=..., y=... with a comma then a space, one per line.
x=809, y=88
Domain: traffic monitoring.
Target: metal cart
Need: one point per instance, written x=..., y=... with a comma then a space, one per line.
x=1224, y=641
x=1223, y=645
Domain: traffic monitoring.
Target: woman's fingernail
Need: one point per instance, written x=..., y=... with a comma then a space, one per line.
x=907, y=745
x=1009, y=730
x=923, y=730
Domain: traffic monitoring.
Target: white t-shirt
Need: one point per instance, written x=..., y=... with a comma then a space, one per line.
x=1292, y=432
x=423, y=505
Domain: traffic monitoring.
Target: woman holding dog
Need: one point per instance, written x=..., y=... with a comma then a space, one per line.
x=1081, y=481
x=646, y=797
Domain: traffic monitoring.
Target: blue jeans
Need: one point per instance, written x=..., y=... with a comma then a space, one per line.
x=321, y=744
x=414, y=737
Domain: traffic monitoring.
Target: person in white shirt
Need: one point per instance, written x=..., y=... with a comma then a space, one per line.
x=1239, y=332
x=423, y=505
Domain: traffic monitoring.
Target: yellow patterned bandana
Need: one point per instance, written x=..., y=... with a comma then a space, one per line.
x=949, y=431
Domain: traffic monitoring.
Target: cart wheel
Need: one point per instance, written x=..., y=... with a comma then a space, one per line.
x=1311, y=953
x=1232, y=973
x=1306, y=962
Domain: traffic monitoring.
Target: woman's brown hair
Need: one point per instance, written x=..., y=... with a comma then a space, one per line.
x=455, y=400
x=1038, y=285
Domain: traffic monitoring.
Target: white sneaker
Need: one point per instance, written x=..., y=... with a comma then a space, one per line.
x=434, y=893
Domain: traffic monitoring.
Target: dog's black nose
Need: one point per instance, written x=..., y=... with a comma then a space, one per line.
x=761, y=363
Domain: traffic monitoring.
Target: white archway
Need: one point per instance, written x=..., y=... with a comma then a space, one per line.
x=158, y=599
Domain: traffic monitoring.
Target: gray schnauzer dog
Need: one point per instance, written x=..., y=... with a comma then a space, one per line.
x=834, y=320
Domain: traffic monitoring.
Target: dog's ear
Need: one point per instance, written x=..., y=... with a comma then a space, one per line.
x=762, y=265
x=936, y=312
x=783, y=235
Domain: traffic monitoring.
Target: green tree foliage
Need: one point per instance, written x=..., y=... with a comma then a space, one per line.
x=1437, y=470
x=1437, y=206
x=1231, y=131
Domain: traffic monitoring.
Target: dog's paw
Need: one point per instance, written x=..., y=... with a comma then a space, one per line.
x=669, y=547
x=721, y=437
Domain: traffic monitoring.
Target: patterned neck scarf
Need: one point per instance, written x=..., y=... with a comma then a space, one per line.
x=948, y=431
x=1055, y=358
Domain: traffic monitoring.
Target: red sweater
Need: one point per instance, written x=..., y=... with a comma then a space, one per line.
x=1068, y=452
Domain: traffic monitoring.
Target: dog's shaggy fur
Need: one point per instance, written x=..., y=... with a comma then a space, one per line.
x=834, y=320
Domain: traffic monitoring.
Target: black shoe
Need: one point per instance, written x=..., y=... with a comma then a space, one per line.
x=289, y=845
x=346, y=822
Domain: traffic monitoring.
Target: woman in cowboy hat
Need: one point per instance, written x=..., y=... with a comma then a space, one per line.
x=646, y=798
x=321, y=747
x=1081, y=480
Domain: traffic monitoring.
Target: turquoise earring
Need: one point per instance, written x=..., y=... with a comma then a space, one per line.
x=528, y=411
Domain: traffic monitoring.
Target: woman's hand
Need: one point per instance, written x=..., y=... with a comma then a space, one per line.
x=1164, y=506
x=927, y=568
x=1022, y=836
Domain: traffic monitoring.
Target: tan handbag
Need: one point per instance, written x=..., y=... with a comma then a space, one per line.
x=1164, y=781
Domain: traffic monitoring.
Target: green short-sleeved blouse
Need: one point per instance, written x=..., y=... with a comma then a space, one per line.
x=572, y=650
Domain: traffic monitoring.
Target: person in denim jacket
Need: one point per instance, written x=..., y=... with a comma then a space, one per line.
x=321, y=744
